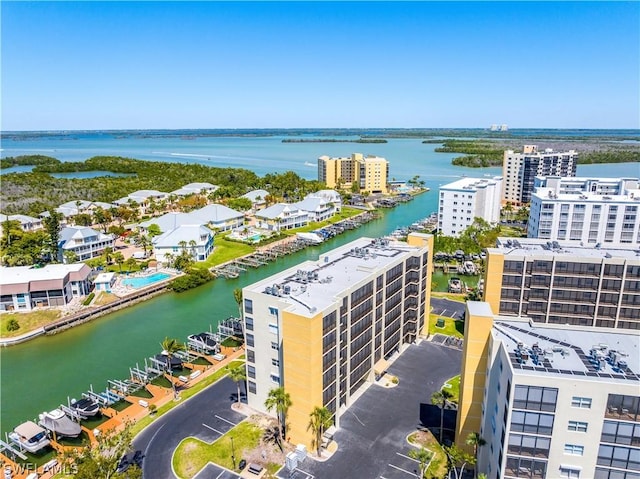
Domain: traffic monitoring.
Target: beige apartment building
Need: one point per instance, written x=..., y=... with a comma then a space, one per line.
x=370, y=173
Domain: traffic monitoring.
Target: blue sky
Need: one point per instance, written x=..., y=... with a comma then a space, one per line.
x=93, y=65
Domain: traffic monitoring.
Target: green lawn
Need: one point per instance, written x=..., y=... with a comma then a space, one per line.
x=451, y=327
x=438, y=465
x=186, y=394
x=342, y=215
x=224, y=251
x=454, y=382
x=27, y=321
x=192, y=454
x=459, y=297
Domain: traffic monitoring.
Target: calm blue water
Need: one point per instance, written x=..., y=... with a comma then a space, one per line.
x=145, y=280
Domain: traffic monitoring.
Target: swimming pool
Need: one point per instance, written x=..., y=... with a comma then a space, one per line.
x=145, y=280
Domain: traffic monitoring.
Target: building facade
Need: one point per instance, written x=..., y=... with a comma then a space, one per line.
x=195, y=239
x=464, y=200
x=370, y=173
x=325, y=329
x=23, y=288
x=520, y=169
x=282, y=216
x=84, y=242
x=564, y=283
x=591, y=210
x=550, y=402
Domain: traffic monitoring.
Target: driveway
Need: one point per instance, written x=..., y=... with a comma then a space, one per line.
x=206, y=416
x=448, y=308
x=372, y=435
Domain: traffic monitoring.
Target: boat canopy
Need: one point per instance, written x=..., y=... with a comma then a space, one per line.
x=29, y=429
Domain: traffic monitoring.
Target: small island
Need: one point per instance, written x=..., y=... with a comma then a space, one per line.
x=333, y=140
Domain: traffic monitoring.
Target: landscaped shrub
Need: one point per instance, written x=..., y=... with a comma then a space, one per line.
x=194, y=278
x=89, y=298
x=12, y=325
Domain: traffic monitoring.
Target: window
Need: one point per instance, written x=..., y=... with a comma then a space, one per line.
x=273, y=311
x=578, y=426
x=569, y=472
x=535, y=398
x=577, y=401
x=252, y=387
x=251, y=356
x=274, y=346
x=248, y=323
x=275, y=378
x=250, y=340
x=574, y=449
x=248, y=306
x=273, y=328
x=275, y=362
x=251, y=371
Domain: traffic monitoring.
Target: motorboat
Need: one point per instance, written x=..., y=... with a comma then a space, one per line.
x=56, y=421
x=204, y=342
x=468, y=267
x=455, y=285
x=313, y=238
x=85, y=407
x=30, y=437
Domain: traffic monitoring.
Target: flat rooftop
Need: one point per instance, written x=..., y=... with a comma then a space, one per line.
x=549, y=193
x=471, y=183
x=312, y=286
x=573, y=352
x=545, y=248
x=25, y=274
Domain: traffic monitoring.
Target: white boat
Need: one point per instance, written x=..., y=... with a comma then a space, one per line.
x=311, y=237
x=455, y=285
x=85, y=407
x=30, y=437
x=57, y=422
x=468, y=267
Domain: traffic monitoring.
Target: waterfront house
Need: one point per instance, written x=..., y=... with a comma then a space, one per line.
x=316, y=207
x=169, y=221
x=85, y=242
x=195, y=188
x=27, y=223
x=330, y=196
x=258, y=199
x=104, y=282
x=282, y=216
x=219, y=217
x=142, y=198
x=26, y=287
x=195, y=239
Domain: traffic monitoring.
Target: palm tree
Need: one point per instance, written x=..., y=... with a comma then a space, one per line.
x=272, y=434
x=170, y=347
x=237, y=374
x=237, y=295
x=423, y=457
x=476, y=440
x=119, y=259
x=440, y=398
x=278, y=400
x=320, y=420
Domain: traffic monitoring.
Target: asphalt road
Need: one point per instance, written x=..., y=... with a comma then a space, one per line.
x=448, y=308
x=206, y=416
x=372, y=435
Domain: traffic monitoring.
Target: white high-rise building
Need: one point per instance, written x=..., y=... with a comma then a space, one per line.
x=464, y=200
x=591, y=210
x=520, y=169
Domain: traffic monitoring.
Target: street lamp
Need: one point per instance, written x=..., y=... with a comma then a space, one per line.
x=233, y=453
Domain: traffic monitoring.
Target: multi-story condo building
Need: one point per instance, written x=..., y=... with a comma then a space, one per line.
x=520, y=169
x=564, y=282
x=84, y=242
x=464, y=200
x=370, y=173
x=550, y=401
x=591, y=210
x=325, y=329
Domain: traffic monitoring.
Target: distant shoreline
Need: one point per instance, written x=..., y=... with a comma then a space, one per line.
x=332, y=140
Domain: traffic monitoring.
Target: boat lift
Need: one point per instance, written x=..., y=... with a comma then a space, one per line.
x=186, y=356
x=124, y=387
x=7, y=446
x=160, y=365
x=72, y=413
x=140, y=376
x=230, y=327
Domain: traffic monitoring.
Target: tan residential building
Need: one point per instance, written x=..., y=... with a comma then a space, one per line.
x=325, y=329
x=370, y=173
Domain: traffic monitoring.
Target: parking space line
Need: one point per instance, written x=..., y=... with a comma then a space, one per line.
x=213, y=429
x=225, y=420
x=443, y=311
x=221, y=473
x=403, y=470
x=407, y=457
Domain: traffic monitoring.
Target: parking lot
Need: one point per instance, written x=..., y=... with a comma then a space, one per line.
x=448, y=308
x=215, y=472
x=372, y=434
